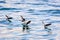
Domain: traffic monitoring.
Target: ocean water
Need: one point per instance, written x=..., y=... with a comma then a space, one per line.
x=34, y=10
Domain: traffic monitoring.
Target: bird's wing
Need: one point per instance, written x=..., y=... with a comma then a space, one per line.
x=28, y=22
x=22, y=18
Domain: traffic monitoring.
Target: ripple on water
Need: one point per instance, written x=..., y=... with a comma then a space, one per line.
x=35, y=33
x=2, y=2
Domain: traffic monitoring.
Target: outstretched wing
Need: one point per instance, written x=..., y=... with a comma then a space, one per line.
x=8, y=17
x=28, y=22
x=47, y=24
x=22, y=18
x=9, y=20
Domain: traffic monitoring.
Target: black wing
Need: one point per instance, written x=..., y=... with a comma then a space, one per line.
x=28, y=22
x=23, y=19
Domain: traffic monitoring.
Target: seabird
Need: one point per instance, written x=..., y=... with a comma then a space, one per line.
x=8, y=18
x=25, y=23
x=45, y=25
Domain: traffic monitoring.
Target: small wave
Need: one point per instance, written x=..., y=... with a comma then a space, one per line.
x=35, y=3
x=53, y=5
x=52, y=10
x=9, y=9
x=2, y=2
